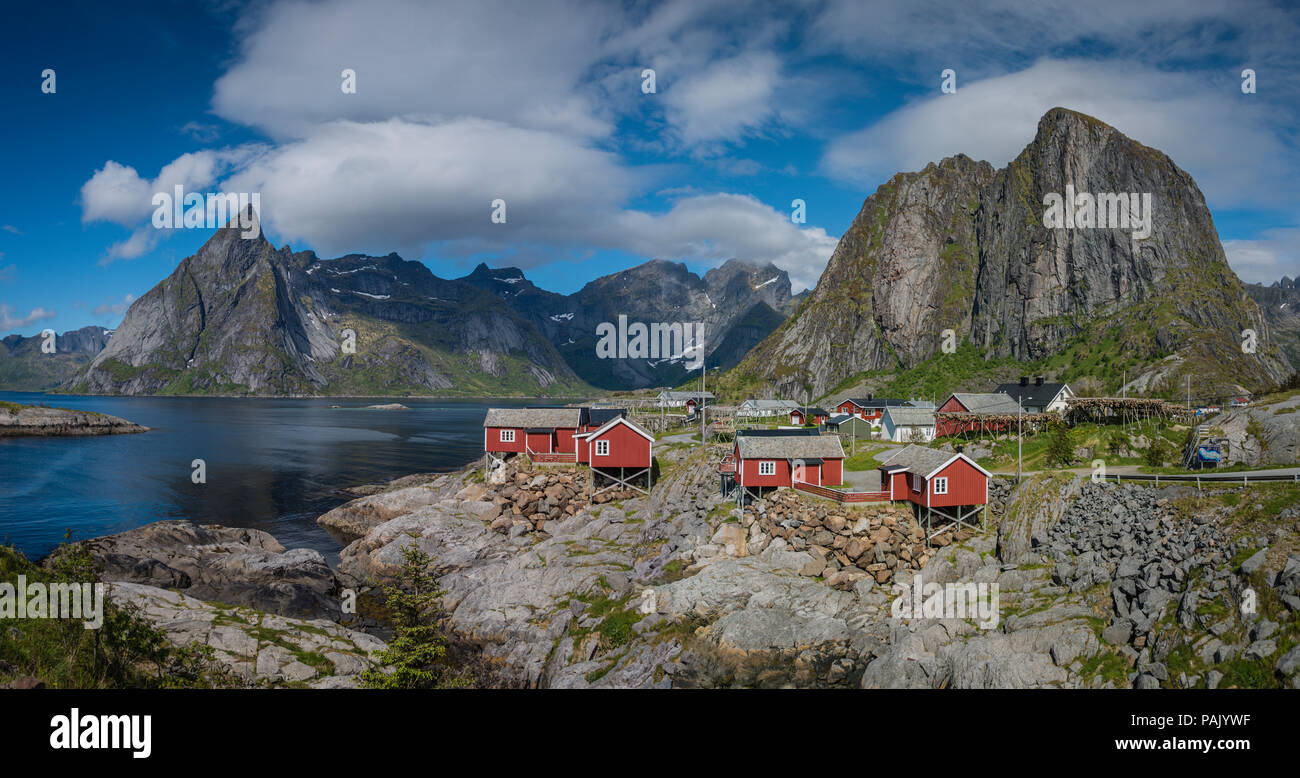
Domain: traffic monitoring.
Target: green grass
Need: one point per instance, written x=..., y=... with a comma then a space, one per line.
x=125, y=652
x=865, y=459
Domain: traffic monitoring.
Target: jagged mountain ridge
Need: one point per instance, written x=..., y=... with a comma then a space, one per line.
x=24, y=367
x=739, y=304
x=242, y=317
x=1280, y=304
x=962, y=246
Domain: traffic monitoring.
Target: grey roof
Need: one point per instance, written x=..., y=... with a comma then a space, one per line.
x=841, y=419
x=990, y=402
x=597, y=417
x=549, y=418
x=779, y=405
x=789, y=447
x=1036, y=396
x=918, y=459
x=812, y=411
x=911, y=417
x=777, y=433
x=874, y=402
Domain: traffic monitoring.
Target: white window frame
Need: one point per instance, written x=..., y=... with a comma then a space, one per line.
x=941, y=485
x=507, y=436
x=602, y=448
x=767, y=467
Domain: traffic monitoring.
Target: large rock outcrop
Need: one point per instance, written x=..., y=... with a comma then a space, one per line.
x=30, y=420
x=209, y=562
x=242, y=317
x=739, y=303
x=962, y=246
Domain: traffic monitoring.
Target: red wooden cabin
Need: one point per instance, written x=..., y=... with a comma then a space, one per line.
x=949, y=484
x=532, y=430
x=620, y=452
x=775, y=458
x=802, y=416
x=869, y=408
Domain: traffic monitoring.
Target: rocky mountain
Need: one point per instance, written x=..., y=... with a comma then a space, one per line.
x=242, y=317
x=25, y=367
x=1280, y=304
x=738, y=303
x=962, y=246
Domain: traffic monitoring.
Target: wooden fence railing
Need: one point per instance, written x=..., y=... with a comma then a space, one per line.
x=840, y=496
x=552, y=457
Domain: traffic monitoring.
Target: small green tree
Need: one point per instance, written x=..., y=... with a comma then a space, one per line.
x=1060, y=444
x=1154, y=456
x=417, y=654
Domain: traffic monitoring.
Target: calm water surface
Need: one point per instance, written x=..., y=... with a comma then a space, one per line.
x=272, y=464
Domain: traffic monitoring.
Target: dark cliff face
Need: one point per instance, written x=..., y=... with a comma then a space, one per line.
x=655, y=291
x=962, y=246
x=24, y=367
x=243, y=317
x=1280, y=305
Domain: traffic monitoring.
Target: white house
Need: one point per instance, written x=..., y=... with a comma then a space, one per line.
x=1037, y=396
x=908, y=425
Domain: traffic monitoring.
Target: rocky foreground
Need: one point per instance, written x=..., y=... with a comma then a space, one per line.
x=268, y=615
x=31, y=420
x=1097, y=585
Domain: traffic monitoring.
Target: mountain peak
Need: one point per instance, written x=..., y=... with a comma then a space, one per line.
x=963, y=247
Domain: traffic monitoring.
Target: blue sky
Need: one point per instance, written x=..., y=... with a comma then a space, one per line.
x=541, y=104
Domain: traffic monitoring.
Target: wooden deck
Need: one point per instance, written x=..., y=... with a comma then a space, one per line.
x=840, y=495
x=553, y=458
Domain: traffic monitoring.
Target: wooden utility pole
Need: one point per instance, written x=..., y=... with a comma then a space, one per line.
x=704, y=369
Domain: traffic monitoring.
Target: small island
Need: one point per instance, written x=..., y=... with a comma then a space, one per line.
x=35, y=420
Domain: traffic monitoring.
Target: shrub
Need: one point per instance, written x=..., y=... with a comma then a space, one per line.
x=417, y=655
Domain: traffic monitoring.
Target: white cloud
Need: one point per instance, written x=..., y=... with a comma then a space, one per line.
x=116, y=309
x=413, y=188
x=201, y=131
x=399, y=185
x=8, y=321
x=1274, y=254
x=1234, y=153
x=514, y=62
x=975, y=36
x=718, y=227
x=9, y=272
x=117, y=193
x=725, y=100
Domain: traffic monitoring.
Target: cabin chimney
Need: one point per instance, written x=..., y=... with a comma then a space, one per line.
x=870, y=396
x=1024, y=380
x=1038, y=381
x=960, y=449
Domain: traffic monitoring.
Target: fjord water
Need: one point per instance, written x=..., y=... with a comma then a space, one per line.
x=272, y=464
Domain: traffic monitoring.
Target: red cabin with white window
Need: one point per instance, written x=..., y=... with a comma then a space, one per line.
x=868, y=408
x=776, y=458
x=620, y=453
x=949, y=485
x=619, y=443
x=802, y=416
x=546, y=431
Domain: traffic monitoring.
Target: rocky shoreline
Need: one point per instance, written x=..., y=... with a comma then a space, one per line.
x=32, y=420
x=1100, y=586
